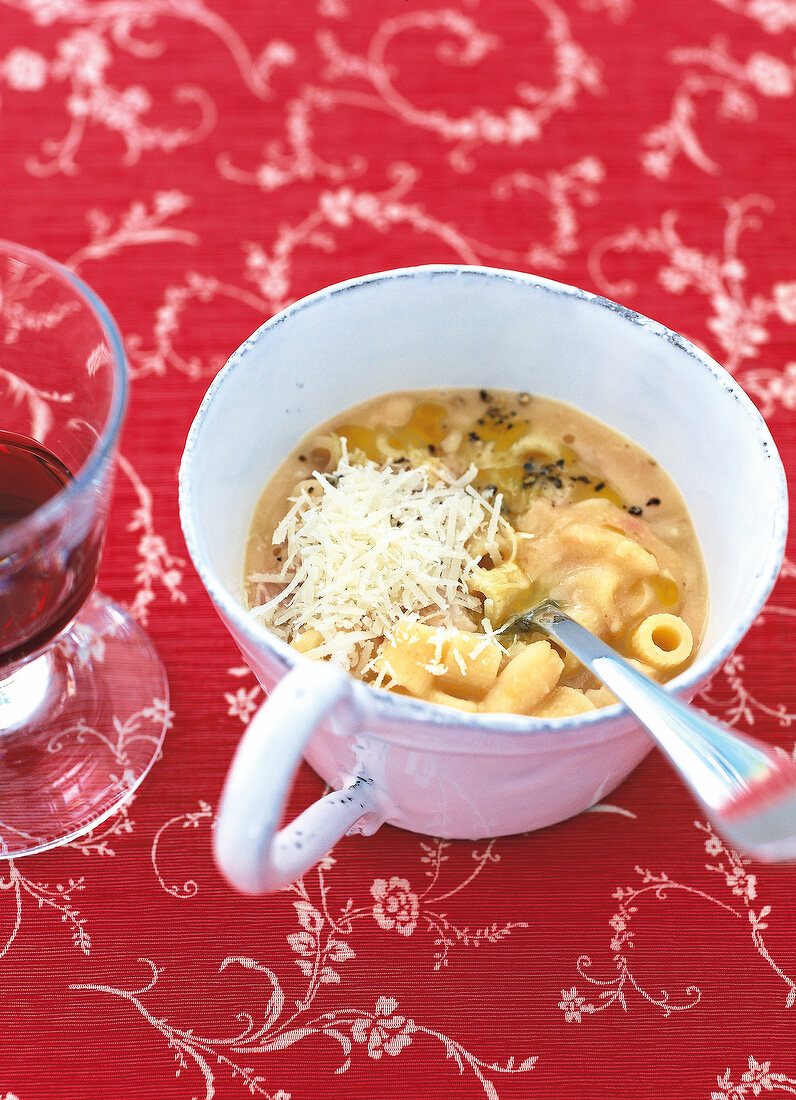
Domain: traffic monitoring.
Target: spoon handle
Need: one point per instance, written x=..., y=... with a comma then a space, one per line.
x=719, y=765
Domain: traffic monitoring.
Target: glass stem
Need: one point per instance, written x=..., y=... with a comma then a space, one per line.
x=23, y=691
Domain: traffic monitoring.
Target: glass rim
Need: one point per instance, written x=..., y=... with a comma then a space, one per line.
x=102, y=450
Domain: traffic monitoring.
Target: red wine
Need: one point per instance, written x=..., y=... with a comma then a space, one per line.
x=44, y=581
x=29, y=476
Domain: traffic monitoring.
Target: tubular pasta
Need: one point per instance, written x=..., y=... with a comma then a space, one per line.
x=662, y=641
x=430, y=661
x=525, y=681
x=564, y=702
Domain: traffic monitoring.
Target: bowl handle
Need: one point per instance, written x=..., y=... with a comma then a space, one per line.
x=251, y=854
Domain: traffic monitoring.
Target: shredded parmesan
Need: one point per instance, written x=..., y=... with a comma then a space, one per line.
x=371, y=545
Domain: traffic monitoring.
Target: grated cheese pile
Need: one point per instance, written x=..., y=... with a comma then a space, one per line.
x=372, y=545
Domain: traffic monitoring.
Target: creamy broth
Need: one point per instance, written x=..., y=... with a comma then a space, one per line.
x=398, y=536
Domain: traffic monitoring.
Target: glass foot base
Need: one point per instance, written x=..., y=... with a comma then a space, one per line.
x=80, y=727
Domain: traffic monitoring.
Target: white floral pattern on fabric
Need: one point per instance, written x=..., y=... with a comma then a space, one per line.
x=758, y=1078
x=203, y=165
x=396, y=906
x=741, y=883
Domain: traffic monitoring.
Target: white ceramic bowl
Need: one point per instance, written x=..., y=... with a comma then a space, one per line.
x=390, y=758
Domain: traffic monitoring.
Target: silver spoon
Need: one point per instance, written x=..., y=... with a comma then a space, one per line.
x=747, y=789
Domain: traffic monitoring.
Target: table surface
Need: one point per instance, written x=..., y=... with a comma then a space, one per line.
x=204, y=163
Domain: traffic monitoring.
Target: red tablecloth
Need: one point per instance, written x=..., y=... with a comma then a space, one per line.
x=201, y=164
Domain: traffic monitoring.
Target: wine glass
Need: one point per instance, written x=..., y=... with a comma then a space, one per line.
x=83, y=694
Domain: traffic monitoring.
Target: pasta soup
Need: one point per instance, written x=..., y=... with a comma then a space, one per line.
x=398, y=537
